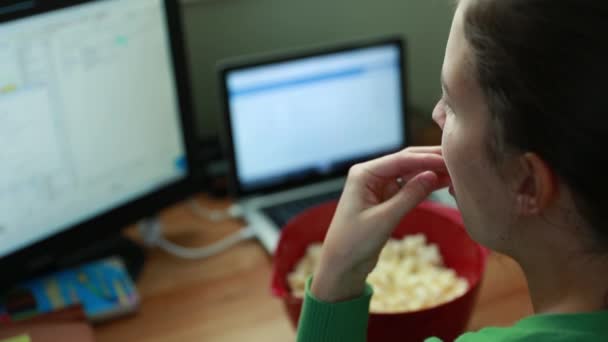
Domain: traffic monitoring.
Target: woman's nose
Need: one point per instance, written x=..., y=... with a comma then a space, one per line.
x=439, y=115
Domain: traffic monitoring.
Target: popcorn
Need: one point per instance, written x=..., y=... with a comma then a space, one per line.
x=409, y=276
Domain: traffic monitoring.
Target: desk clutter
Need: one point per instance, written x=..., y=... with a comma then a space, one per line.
x=65, y=325
x=69, y=300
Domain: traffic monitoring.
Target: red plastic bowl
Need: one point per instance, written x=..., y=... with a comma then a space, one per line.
x=441, y=225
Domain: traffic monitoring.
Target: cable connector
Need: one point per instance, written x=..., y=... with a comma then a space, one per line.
x=151, y=231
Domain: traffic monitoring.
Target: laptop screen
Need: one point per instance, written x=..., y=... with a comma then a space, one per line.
x=314, y=116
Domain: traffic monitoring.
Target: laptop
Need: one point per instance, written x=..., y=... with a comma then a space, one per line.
x=294, y=124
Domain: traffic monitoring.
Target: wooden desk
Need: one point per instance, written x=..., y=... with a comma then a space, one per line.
x=226, y=298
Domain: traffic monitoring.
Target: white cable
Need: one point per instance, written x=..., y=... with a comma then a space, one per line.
x=215, y=215
x=151, y=232
x=207, y=251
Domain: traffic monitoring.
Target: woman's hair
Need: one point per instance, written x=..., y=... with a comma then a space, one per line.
x=543, y=68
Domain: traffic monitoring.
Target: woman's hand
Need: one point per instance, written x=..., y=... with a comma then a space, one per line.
x=376, y=196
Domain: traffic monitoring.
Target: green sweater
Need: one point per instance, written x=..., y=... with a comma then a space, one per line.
x=347, y=322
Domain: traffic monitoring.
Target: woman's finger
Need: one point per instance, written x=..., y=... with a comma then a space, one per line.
x=404, y=163
x=442, y=175
x=412, y=193
x=425, y=149
x=394, y=186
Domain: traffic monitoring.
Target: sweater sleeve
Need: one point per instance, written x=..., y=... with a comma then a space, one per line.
x=334, y=322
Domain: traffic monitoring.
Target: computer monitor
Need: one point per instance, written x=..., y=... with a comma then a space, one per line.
x=303, y=117
x=95, y=128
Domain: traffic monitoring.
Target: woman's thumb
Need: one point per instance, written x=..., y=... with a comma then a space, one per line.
x=411, y=194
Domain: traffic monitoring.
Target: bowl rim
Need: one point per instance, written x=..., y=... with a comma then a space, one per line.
x=443, y=210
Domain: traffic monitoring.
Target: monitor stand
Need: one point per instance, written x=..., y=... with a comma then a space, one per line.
x=132, y=254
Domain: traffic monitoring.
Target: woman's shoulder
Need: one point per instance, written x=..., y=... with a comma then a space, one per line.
x=554, y=327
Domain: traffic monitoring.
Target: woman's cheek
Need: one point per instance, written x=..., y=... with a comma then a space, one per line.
x=449, y=144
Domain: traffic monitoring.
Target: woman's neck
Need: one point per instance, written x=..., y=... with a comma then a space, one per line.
x=565, y=280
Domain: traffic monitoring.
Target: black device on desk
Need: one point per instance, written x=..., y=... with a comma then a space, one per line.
x=95, y=125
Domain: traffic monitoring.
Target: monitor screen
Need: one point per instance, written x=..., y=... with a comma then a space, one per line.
x=309, y=115
x=89, y=115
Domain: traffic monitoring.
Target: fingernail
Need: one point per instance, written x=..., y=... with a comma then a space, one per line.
x=428, y=179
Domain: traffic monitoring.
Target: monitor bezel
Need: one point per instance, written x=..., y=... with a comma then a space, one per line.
x=42, y=254
x=226, y=67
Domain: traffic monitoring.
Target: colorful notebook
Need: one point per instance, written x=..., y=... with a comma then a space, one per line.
x=103, y=288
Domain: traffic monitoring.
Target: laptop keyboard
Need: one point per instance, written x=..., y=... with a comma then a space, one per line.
x=280, y=214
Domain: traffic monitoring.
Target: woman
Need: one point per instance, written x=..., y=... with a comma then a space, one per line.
x=523, y=123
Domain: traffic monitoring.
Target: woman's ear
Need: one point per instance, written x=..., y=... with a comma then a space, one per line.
x=537, y=186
